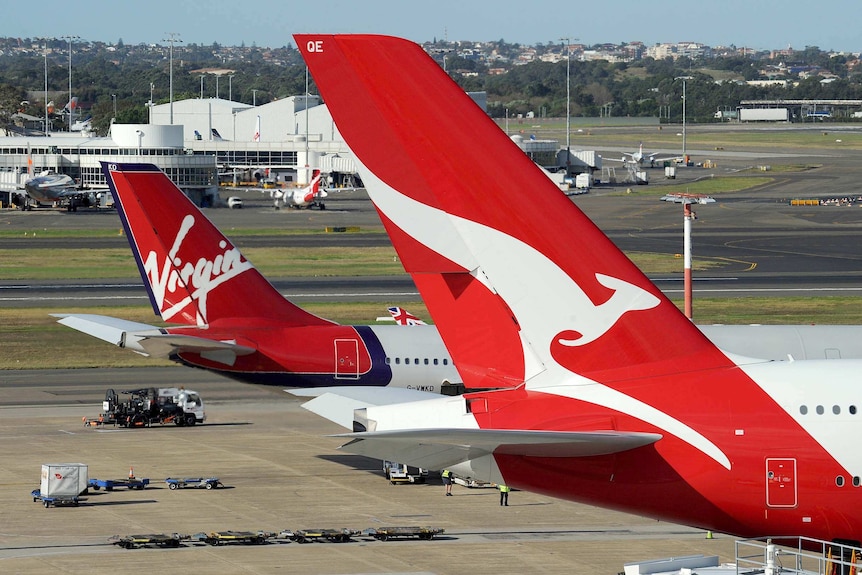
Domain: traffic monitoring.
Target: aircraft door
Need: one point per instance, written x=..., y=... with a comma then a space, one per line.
x=781, y=482
x=346, y=359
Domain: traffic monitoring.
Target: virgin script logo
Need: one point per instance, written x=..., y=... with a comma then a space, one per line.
x=196, y=279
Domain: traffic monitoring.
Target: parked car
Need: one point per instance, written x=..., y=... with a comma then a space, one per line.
x=234, y=202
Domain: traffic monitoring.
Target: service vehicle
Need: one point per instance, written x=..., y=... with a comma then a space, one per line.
x=402, y=473
x=150, y=405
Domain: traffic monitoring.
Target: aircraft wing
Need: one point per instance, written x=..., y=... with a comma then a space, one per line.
x=337, y=404
x=445, y=448
x=151, y=340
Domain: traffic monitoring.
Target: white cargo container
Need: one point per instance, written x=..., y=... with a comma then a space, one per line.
x=642, y=178
x=64, y=479
x=584, y=181
x=670, y=172
x=764, y=115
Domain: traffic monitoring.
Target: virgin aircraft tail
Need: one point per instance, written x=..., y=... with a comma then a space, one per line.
x=193, y=273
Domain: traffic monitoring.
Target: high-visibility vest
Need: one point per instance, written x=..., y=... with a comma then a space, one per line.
x=446, y=473
x=505, y=488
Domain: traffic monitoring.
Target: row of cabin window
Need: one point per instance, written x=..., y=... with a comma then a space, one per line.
x=820, y=410
x=427, y=361
x=856, y=480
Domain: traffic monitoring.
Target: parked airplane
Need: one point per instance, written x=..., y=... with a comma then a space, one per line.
x=640, y=157
x=612, y=396
x=307, y=197
x=50, y=188
x=231, y=319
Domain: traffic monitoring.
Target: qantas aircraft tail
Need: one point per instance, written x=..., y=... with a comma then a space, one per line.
x=545, y=295
x=616, y=398
x=193, y=273
x=313, y=189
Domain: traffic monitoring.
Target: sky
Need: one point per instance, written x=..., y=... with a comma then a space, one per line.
x=758, y=24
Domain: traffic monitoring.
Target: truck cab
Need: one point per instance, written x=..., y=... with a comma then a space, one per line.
x=185, y=400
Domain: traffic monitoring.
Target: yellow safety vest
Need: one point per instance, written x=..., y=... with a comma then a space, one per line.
x=505, y=488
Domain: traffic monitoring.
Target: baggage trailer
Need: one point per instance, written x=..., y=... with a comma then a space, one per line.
x=244, y=537
x=149, y=540
x=386, y=533
x=310, y=535
x=111, y=484
x=55, y=500
x=197, y=482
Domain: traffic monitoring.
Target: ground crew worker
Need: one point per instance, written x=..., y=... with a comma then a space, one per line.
x=447, y=481
x=504, y=494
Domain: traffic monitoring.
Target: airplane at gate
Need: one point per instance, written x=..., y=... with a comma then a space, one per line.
x=607, y=394
x=308, y=197
x=231, y=320
x=640, y=157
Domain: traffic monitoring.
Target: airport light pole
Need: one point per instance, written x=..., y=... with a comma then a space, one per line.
x=45, y=54
x=230, y=87
x=71, y=113
x=114, y=99
x=683, y=78
x=568, y=42
x=254, y=97
x=171, y=39
x=202, y=86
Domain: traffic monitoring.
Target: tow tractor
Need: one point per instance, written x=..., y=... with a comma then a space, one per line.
x=403, y=473
x=150, y=405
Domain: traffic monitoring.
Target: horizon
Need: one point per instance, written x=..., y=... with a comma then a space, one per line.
x=767, y=25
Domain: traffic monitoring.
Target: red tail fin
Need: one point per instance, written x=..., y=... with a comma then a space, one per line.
x=512, y=289
x=313, y=187
x=193, y=273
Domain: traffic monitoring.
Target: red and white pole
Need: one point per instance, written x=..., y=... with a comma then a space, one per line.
x=687, y=217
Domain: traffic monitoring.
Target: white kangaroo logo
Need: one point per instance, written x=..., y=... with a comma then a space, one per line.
x=545, y=300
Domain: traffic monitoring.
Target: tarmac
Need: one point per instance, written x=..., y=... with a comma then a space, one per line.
x=282, y=467
x=282, y=470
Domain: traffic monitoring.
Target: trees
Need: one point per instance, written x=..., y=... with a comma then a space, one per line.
x=639, y=88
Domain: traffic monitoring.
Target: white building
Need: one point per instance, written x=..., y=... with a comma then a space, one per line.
x=288, y=137
x=80, y=157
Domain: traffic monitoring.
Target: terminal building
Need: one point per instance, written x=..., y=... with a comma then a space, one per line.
x=199, y=143
x=203, y=144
